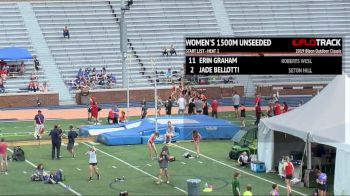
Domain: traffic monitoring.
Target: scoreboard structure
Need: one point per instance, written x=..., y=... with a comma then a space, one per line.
x=249, y=55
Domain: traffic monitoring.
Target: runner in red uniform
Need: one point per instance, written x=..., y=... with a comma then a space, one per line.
x=150, y=144
x=94, y=110
x=196, y=137
x=288, y=169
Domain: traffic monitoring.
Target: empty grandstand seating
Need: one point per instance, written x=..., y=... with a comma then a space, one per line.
x=154, y=24
x=290, y=18
x=14, y=33
x=94, y=38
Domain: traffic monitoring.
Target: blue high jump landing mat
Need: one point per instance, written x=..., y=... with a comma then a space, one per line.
x=138, y=131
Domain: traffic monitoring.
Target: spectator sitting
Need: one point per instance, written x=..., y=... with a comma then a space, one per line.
x=33, y=86
x=243, y=159
x=80, y=73
x=2, y=63
x=34, y=77
x=39, y=173
x=3, y=73
x=13, y=68
x=168, y=75
x=36, y=64
x=65, y=32
x=22, y=69
x=165, y=51
x=172, y=50
x=2, y=87
x=111, y=115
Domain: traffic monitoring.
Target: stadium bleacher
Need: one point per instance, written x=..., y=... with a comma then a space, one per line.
x=152, y=25
x=14, y=33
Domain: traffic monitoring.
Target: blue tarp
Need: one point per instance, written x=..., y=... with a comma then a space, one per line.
x=14, y=53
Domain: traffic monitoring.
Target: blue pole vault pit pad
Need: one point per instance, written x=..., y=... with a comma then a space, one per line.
x=138, y=131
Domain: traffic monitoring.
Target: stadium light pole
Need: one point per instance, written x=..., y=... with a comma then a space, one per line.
x=127, y=89
x=124, y=39
x=155, y=93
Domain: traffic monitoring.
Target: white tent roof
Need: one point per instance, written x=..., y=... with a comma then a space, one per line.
x=323, y=116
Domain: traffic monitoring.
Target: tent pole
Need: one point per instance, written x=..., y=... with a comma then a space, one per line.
x=309, y=155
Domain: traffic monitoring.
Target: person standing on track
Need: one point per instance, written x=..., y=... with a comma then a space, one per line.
x=71, y=140
x=94, y=110
x=92, y=162
x=56, y=142
x=163, y=164
x=151, y=146
x=242, y=115
x=182, y=105
x=214, y=108
x=168, y=106
x=196, y=137
x=257, y=113
x=39, y=120
x=3, y=155
x=236, y=101
x=288, y=169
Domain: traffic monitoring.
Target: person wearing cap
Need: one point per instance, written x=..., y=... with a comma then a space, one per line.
x=39, y=120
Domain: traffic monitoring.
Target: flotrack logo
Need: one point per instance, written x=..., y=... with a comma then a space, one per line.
x=312, y=42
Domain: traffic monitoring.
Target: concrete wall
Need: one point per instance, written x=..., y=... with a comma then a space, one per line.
x=28, y=99
x=288, y=89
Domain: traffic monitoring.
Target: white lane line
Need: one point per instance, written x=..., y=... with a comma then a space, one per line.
x=131, y=166
x=242, y=171
x=60, y=183
x=183, y=163
x=114, y=167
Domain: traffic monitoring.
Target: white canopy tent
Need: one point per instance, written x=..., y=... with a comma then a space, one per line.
x=324, y=119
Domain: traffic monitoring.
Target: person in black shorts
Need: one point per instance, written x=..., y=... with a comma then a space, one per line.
x=163, y=165
x=92, y=162
x=242, y=115
x=71, y=140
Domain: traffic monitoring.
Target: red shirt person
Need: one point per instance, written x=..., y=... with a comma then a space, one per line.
x=277, y=108
x=3, y=156
x=94, y=109
x=285, y=107
x=257, y=99
x=214, y=108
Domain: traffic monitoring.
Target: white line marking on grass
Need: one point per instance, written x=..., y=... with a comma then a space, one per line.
x=131, y=166
x=24, y=172
x=200, y=162
x=93, y=143
x=78, y=169
x=183, y=163
x=114, y=167
x=60, y=183
x=242, y=171
x=149, y=165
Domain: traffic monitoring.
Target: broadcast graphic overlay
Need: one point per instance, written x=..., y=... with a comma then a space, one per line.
x=248, y=55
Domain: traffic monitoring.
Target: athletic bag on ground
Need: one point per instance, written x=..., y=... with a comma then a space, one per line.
x=18, y=154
